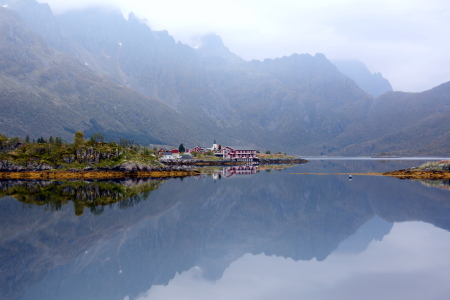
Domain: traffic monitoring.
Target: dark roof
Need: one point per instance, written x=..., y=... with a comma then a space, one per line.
x=186, y=156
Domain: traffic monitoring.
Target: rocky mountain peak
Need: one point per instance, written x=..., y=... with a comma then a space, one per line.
x=213, y=46
x=212, y=41
x=372, y=83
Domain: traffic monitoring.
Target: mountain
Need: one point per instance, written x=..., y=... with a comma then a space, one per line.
x=47, y=92
x=280, y=104
x=372, y=83
x=408, y=124
x=302, y=104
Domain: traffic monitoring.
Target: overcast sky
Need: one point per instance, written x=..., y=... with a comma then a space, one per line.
x=408, y=41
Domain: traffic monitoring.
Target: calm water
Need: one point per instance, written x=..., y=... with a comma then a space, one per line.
x=273, y=234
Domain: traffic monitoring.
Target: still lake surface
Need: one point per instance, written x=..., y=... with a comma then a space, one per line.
x=271, y=234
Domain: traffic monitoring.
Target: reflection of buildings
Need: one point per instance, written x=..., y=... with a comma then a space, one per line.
x=238, y=170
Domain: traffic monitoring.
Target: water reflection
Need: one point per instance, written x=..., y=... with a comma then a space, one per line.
x=246, y=227
x=397, y=268
x=440, y=184
x=94, y=195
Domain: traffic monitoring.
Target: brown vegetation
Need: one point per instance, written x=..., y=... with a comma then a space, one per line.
x=95, y=174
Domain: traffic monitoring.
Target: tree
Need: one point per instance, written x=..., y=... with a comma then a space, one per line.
x=97, y=137
x=78, y=139
x=58, y=141
x=125, y=143
x=181, y=149
x=27, y=139
x=267, y=152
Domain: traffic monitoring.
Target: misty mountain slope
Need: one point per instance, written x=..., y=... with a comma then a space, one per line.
x=39, y=17
x=292, y=102
x=300, y=104
x=372, y=83
x=215, y=86
x=153, y=64
x=128, y=50
x=45, y=92
x=408, y=123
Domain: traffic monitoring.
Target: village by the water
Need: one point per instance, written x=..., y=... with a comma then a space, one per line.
x=245, y=160
x=234, y=153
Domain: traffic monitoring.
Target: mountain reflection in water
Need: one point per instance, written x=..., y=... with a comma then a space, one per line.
x=201, y=230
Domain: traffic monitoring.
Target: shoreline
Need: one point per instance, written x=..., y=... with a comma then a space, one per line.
x=184, y=169
x=262, y=161
x=108, y=174
x=172, y=169
x=411, y=174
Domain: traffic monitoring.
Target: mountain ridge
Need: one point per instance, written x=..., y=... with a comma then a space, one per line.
x=301, y=104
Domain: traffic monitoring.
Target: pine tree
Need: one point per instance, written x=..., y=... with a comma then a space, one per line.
x=181, y=149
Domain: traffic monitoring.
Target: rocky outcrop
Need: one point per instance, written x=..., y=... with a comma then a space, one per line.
x=6, y=166
x=91, y=156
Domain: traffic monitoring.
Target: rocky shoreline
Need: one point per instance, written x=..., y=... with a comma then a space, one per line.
x=435, y=170
x=126, y=170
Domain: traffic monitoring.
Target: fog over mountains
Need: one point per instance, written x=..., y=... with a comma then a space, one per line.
x=95, y=71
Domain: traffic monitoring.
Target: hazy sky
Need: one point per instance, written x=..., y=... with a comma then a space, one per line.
x=408, y=41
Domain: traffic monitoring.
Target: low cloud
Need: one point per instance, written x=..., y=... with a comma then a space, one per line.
x=404, y=40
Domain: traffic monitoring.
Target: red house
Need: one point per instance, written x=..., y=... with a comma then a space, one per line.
x=240, y=153
x=196, y=149
x=162, y=150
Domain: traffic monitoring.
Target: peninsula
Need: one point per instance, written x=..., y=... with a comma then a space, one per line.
x=94, y=158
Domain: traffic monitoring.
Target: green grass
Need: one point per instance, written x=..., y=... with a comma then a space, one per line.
x=57, y=155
